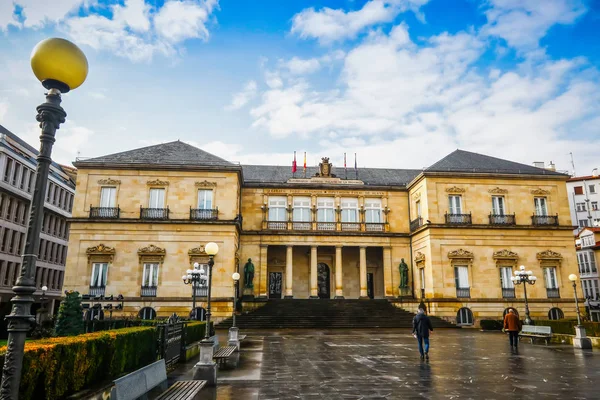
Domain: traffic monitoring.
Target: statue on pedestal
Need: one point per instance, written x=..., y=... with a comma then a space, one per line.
x=403, y=275
x=249, y=274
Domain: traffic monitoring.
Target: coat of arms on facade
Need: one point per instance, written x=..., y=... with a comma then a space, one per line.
x=325, y=169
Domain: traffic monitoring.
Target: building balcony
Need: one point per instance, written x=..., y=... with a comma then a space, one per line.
x=463, y=292
x=148, y=291
x=350, y=226
x=326, y=226
x=541, y=220
x=508, y=293
x=96, y=291
x=458, y=219
x=374, y=227
x=498, y=219
x=201, y=214
x=201, y=291
x=105, y=212
x=301, y=225
x=277, y=225
x=154, y=213
x=553, y=293
x=416, y=224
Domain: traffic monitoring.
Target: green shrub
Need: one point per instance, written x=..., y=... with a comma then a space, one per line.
x=68, y=321
x=567, y=327
x=195, y=331
x=491, y=325
x=57, y=367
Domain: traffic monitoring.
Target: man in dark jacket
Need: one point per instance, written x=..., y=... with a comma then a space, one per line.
x=421, y=328
x=512, y=325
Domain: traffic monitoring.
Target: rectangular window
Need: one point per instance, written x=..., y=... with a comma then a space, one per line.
x=325, y=209
x=99, y=274
x=150, y=277
x=550, y=278
x=8, y=209
x=15, y=175
x=498, y=205
x=8, y=169
x=373, y=211
x=30, y=181
x=301, y=211
x=592, y=189
x=455, y=204
x=583, y=222
x=594, y=206
x=461, y=277
x=108, y=196
x=277, y=209
x=505, y=275
x=578, y=189
x=418, y=205
x=540, y=206
x=422, y=273
x=157, y=198
x=349, y=210
x=587, y=241
x=205, y=199
x=580, y=207
x=23, y=180
x=592, y=262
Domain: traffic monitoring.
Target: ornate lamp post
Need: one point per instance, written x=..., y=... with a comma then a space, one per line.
x=525, y=278
x=194, y=277
x=60, y=66
x=206, y=369
x=580, y=340
x=233, y=331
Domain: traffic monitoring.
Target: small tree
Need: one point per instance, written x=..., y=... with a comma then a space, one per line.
x=69, y=321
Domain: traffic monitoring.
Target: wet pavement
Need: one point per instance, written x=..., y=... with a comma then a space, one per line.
x=385, y=364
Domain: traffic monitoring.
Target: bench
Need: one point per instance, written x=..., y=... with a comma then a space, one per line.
x=137, y=384
x=536, y=332
x=183, y=390
x=223, y=354
x=241, y=337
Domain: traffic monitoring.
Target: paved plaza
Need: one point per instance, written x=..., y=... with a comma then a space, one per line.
x=385, y=364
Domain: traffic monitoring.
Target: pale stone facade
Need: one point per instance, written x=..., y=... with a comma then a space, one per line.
x=321, y=236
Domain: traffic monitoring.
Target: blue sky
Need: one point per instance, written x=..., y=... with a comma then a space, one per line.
x=399, y=82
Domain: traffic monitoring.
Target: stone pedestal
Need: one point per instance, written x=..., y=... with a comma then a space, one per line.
x=206, y=368
x=404, y=292
x=248, y=293
x=581, y=341
x=233, y=338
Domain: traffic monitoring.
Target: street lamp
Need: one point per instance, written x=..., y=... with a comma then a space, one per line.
x=524, y=277
x=233, y=331
x=60, y=66
x=580, y=340
x=194, y=277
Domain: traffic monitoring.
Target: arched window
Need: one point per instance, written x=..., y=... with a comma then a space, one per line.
x=464, y=317
x=506, y=310
x=555, y=313
x=147, y=313
x=198, y=313
x=94, y=314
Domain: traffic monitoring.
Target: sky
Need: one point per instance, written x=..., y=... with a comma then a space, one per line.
x=401, y=83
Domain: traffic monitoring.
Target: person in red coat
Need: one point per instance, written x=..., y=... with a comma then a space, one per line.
x=512, y=325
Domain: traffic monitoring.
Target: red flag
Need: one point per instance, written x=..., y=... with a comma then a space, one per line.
x=294, y=166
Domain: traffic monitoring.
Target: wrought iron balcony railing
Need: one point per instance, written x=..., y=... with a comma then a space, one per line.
x=540, y=220
x=301, y=225
x=350, y=226
x=326, y=226
x=154, y=213
x=374, y=227
x=201, y=214
x=96, y=291
x=105, y=212
x=499, y=219
x=463, y=292
x=553, y=293
x=508, y=293
x=201, y=291
x=458, y=219
x=416, y=224
x=148, y=291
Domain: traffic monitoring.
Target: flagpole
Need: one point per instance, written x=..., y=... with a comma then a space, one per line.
x=345, y=168
x=305, y=164
x=294, y=167
x=355, y=167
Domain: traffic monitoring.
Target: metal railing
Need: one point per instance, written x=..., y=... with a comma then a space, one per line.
x=148, y=291
x=463, y=292
x=96, y=291
x=301, y=225
x=538, y=220
x=154, y=213
x=499, y=219
x=350, y=226
x=374, y=227
x=508, y=293
x=201, y=291
x=553, y=293
x=279, y=226
x=416, y=224
x=201, y=214
x=105, y=212
x=326, y=226
x=458, y=219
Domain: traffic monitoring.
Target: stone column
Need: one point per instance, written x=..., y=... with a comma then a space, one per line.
x=339, y=273
x=387, y=272
x=262, y=280
x=363, y=273
x=314, y=287
x=289, y=272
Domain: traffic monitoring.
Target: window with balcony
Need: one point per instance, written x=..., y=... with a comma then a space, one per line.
x=498, y=207
x=373, y=215
x=541, y=208
x=540, y=216
x=461, y=277
x=301, y=217
x=325, y=214
x=206, y=209
x=551, y=282
x=508, y=289
x=587, y=241
x=455, y=214
x=98, y=279
x=350, y=220
x=498, y=215
x=277, y=213
x=108, y=207
x=580, y=207
x=149, y=280
x=156, y=205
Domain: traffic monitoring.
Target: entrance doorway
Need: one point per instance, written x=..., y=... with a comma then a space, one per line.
x=370, y=289
x=323, y=281
x=275, y=279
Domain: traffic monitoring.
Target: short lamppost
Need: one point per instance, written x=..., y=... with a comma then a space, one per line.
x=60, y=66
x=525, y=278
x=234, y=331
x=206, y=368
x=194, y=277
x=42, y=310
x=580, y=341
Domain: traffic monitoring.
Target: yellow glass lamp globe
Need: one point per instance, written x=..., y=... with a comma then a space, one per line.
x=57, y=61
x=572, y=277
x=211, y=249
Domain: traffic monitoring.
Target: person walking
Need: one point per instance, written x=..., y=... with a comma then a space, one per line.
x=512, y=325
x=421, y=328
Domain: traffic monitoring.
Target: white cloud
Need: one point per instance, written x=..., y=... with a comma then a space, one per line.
x=3, y=109
x=180, y=20
x=242, y=98
x=71, y=139
x=522, y=23
x=330, y=25
x=299, y=66
x=7, y=15
x=134, y=14
x=37, y=13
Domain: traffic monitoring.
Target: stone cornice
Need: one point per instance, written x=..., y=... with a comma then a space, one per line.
x=157, y=182
x=206, y=184
x=460, y=253
x=101, y=251
x=419, y=257
x=539, y=191
x=152, y=251
x=549, y=255
x=498, y=190
x=109, y=181
x=455, y=189
x=505, y=255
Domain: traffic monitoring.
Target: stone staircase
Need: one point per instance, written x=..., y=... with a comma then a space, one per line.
x=326, y=314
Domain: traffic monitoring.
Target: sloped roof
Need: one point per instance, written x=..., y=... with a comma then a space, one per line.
x=370, y=176
x=171, y=153
x=466, y=161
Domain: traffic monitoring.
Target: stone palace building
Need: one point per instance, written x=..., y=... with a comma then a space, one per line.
x=461, y=226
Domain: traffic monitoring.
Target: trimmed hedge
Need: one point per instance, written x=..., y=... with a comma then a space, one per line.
x=57, y=367
x=567, y=327
x=194, y=332
x=491, y=325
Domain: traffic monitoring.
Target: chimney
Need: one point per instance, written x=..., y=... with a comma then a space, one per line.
x=552, y=166
x=595, y=172
x=538, y=164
